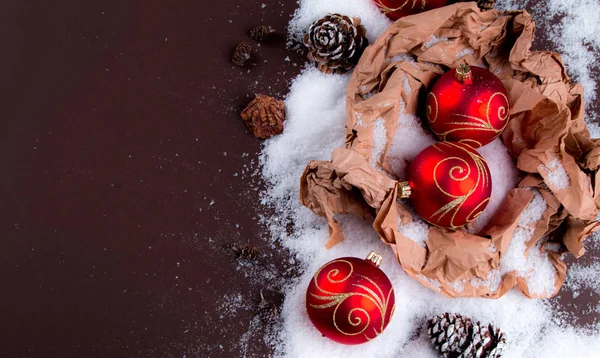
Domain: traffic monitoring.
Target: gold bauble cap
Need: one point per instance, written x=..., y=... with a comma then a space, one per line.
x=463, y=73
x=374, y=258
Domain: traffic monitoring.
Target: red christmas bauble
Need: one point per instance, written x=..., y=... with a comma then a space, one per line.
x=450, y=184
x=395, y=9
x=350, y=300
x=468, y=105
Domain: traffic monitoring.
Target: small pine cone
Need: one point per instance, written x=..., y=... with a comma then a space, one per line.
x=261, y=33
x=247, y=253
x=486, y=5
x=486, y=342
x=269, y=312
x=335, y=43
x=264, y=116
x=241, y=54
x=449, y=333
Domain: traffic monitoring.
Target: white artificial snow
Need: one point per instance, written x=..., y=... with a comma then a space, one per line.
x=379, y=141
x=415, y=230
x=584, y=277
x=315, y=118
x=433, y=40
x=408, y=141
x=313, y=128
x=406, y=85
x=230, y=304
x=505, y=177
x=402, y=57
x=557, y=176
x=534, y=266
x=542, y=275
x=464, y=52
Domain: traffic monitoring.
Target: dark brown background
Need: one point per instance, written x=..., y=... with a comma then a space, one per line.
x=118, y=127
x=114, y=120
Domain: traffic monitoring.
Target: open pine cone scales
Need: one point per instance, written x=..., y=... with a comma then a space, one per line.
x=485, y=5
x=262, y=33
x=455, y=336
x=335, y=43
x=264, y=116
x=486, y=341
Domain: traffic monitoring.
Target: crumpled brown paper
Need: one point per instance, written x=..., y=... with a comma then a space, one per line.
x=547, y=125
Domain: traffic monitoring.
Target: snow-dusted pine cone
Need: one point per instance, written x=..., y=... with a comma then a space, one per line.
x=449, y=333
x=455, y=336
x=486, y=342
x=335, y=43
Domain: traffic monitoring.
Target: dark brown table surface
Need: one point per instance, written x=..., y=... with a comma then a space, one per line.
x=115, y=117
x=118, y=128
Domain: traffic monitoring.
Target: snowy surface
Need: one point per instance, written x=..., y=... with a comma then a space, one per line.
x=315, y=126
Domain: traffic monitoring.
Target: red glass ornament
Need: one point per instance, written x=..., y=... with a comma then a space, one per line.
x=350, y=300
x=468, y=105
x=450, y=184
x=395, y=9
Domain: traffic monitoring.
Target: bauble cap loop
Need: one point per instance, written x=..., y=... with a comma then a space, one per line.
x=374, y=258
x=404, y=190
x=463, y=73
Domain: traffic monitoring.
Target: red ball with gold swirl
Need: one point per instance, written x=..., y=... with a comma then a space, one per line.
x=449, y=184
x=395, y=9
x=350, y=300
x=468, y=105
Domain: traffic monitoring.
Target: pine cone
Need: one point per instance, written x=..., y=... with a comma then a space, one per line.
x=449, y=333
x=241, y=54
x=264, y=116
x=455, y=336
x=261, y=33
x=335, y=43
x=247, y=253
x=486, y=5
x=269, y=307
x=486, y=342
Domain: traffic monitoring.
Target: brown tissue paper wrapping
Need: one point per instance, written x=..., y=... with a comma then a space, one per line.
x=547, y=124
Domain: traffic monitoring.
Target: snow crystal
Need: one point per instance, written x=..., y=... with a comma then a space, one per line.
x=401, y=57
x=406, y=85
x=464, y=52
x=433, y=283
x=379, y=141
x=433, y=40
x=582, y=276
x=230, y=304
x=415, y=230
x=557, y=177
x=458, y=286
